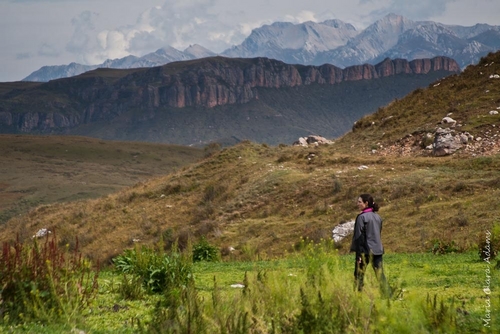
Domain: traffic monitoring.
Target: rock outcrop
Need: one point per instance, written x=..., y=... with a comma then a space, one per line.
x=446, y=142
x=312, y=140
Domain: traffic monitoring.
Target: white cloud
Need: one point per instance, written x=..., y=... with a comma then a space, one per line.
x=302, y=16
x=83, y=25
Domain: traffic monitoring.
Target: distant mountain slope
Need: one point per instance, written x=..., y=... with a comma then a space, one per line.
x=329, y=42
x=212, y=99
x=294, y=43
x=159, y=57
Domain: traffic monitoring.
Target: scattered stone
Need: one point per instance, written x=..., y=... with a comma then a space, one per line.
x=301, y=142
x=362, y=167
x=449, y=120
x=238, y=285
x=494, y=76
x=493, y=112
x=41, y=233
x=464, y=139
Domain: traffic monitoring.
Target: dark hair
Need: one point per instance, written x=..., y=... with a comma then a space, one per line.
x=367, y=198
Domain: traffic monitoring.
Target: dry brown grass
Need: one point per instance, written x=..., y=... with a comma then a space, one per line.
x=39, y=170
x=243, y=198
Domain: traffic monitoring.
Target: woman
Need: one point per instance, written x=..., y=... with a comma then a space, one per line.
x=366, y=242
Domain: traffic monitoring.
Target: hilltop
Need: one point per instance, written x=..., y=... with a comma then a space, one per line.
x=264, y=199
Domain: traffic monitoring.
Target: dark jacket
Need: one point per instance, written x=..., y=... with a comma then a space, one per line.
x=367, y=230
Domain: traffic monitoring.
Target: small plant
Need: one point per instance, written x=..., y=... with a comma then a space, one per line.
x=204, y=251
x=441, y=317
x=131, y=287
x=337, y=186
x=443, y=247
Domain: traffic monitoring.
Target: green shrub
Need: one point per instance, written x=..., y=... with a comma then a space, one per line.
x=157, y=270
x=444, y=247
x=45, y=283
x=203, y=251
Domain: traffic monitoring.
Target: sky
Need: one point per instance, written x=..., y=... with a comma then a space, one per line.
x=34, y=33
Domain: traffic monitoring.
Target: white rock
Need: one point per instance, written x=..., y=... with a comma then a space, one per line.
x=342, y=230
x=41, y=233
x=362, y=167
x=493, y=112
x=448, y=120
x=237, y=285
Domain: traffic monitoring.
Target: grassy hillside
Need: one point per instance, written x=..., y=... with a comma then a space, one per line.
x=467, y=98
x=46, y=169
x=263, y=200
x=259, y=199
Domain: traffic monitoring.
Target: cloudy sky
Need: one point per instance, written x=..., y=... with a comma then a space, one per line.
x=34, y=33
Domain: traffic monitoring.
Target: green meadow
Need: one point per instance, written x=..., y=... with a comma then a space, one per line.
x=309, y=291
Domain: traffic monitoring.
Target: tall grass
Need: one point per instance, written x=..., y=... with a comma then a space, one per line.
x=42, y=282
x=319, y=298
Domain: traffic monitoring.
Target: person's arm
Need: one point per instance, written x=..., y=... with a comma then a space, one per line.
x=359, y=235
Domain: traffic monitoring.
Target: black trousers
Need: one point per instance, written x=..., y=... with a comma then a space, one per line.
x=362, y=261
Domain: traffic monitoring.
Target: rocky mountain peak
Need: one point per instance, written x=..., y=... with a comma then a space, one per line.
x=332, y=41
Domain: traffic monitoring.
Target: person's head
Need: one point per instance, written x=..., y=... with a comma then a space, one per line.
x=366, y=201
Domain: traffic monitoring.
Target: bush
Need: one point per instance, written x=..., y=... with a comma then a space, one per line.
x=157, y=271
x=443, y=247
x=203, y=251
x=43, y=282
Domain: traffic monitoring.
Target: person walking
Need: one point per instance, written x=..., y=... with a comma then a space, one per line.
x=367, y=243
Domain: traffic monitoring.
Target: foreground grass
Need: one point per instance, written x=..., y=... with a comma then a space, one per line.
x=431, y=293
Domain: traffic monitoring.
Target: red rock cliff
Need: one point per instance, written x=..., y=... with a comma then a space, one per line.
x=219, y=81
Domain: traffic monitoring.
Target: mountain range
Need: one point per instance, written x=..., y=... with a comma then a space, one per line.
x=220, y=99
x=330, y=42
